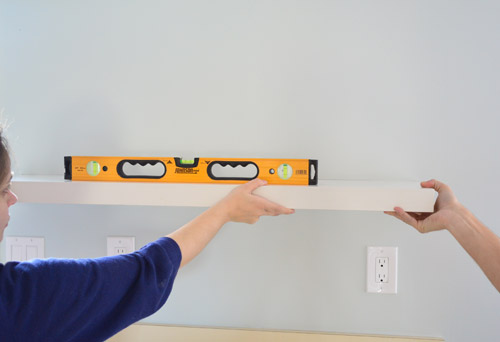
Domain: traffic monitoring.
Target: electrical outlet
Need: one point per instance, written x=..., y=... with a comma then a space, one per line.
x=120, y=245
x=120, y=250
x=381, y=270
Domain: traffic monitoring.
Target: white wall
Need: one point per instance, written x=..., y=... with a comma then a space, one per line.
x=400, y=90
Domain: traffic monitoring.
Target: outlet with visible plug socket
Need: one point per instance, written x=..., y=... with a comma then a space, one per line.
x=381, y=270
x=120, y=245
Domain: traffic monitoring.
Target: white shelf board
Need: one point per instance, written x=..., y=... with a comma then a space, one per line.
x=327, y=195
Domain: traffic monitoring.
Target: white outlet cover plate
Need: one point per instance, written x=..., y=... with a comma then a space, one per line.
x=382, y=252
x=125, y=242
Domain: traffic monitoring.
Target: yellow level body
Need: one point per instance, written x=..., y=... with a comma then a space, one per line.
x=198, y=170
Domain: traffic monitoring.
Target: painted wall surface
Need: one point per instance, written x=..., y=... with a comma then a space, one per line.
x=385, y=90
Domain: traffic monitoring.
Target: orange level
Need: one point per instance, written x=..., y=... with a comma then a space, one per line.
x=197, y=170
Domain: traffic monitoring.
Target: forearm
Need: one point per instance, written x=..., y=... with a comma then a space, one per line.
x=195, y=235
x=240, y=205
x=480, y=242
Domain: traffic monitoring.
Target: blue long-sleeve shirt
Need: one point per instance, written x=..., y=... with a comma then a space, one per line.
x=84, y=299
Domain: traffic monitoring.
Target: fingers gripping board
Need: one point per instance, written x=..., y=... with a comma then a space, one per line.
x=198, y=170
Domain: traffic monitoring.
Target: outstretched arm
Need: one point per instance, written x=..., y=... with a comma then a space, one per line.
x=479, y=241
x=241, y=205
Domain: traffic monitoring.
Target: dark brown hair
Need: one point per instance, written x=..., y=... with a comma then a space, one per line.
x=4, y=157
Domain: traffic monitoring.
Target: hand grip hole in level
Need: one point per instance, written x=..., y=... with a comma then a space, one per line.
x=219, y=170
x=141, y=169
x=312, y=172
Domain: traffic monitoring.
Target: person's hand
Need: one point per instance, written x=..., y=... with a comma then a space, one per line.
x=445, y=209
x=241, y=205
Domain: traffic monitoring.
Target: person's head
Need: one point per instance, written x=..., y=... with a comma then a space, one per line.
x=7, y=197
